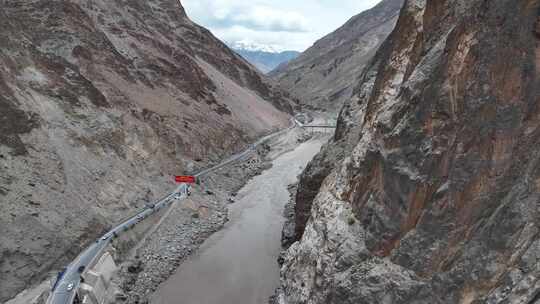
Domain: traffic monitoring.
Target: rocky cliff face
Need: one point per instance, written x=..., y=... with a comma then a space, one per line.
x=101, y=102
x=430, y=190
x=325, y=74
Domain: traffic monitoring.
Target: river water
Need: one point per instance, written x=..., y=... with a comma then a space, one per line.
x=238, y=265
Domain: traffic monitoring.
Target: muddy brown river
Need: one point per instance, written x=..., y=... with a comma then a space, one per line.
x=238, y=265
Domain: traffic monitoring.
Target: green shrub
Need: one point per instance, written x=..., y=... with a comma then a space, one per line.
x=351, y=220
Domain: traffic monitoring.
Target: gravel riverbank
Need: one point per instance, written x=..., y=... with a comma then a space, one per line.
x=191, y=222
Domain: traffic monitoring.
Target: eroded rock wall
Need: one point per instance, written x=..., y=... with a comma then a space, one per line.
x=436, y=195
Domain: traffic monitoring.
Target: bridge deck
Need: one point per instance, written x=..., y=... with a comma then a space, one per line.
x=319, y=126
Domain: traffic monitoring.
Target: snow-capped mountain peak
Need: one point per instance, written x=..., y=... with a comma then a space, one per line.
x=251, y=46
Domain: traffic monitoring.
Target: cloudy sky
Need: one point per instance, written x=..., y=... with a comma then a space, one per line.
x=283, y=24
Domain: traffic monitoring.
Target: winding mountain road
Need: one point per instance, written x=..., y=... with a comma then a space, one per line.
x=65, y=290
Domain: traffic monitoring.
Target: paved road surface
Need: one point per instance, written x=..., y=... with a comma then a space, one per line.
x=238, y=265
x=67, y=286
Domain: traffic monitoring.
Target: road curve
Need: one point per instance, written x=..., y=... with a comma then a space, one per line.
x=66, y=287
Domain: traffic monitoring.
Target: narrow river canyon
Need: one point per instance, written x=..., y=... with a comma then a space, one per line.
x=238, y=265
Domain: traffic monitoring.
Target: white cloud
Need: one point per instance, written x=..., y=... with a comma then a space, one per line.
x=267, y=18
x=285, y=24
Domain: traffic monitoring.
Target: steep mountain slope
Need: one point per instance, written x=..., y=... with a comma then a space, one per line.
x=101, y=102
x=266, y=61
x=430, y=189
x=325, y=74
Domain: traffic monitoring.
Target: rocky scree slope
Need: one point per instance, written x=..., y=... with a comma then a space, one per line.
x=325, y=74
x=430, y=189
x=101, y=102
